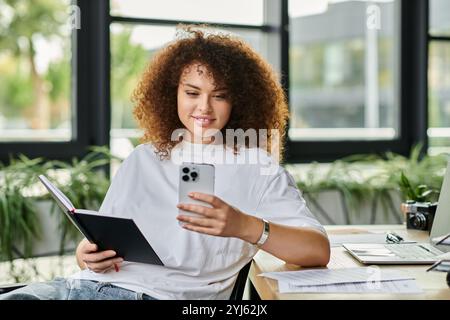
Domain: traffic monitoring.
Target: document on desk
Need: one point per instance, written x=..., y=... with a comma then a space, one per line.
x=319, y=277
x=336, y=240
x=396, y=286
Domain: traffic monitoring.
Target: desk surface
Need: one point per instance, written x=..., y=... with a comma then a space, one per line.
x=433, y=284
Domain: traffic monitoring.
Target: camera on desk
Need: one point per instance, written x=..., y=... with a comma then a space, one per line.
x=419, y=215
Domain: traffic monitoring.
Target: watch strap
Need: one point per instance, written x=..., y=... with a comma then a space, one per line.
x=265, y=233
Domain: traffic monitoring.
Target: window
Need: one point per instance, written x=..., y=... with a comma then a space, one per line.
x=357, y=77
x=439, y=18
x=35, y=71
x=343, y=72
x=439, y=78
x=46, y=92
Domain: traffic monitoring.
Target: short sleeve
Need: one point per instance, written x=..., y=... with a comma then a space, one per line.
x=282, y=203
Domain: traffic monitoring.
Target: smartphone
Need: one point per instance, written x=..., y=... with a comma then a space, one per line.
x=195, y=177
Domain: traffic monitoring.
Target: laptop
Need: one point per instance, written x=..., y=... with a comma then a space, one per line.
x=412, y=253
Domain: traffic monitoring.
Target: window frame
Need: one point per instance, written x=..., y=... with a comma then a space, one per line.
x=413, y=115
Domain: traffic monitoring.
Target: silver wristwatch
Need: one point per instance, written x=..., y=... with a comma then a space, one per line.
x=265, y=233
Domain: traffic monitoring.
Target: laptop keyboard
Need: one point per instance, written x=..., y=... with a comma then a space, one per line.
x=413, y=251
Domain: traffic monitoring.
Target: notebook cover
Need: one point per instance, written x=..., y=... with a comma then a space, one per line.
x=118, y=234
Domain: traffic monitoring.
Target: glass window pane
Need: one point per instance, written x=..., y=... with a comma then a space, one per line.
x=343, y=70
x=131, y=49
x=439, y=97
x=231, y=11
x=440, y=17
x=35, y=70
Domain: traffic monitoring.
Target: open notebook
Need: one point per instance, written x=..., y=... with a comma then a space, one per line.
x=108, y=233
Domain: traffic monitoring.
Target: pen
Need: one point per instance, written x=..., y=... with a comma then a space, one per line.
x=434, y=265
x=116, y=267
x=424, y=248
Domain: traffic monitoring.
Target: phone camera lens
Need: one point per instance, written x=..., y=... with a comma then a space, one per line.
x=185, y=170
x=186, y=178
x=194, y=175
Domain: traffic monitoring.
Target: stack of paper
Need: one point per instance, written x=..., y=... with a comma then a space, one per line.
x=350, y=280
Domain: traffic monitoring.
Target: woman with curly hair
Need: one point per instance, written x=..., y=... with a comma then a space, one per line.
x=206, y=85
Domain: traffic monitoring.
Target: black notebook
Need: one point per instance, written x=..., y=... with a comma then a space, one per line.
x=109, y=233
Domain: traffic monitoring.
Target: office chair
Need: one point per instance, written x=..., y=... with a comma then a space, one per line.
x=239, y=286
x=236, y=294
x=11, y=287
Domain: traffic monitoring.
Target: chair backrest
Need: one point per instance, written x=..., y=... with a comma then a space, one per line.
x=11, y=287
x=239, y=286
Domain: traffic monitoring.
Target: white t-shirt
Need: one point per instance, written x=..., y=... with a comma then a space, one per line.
x=196, y=266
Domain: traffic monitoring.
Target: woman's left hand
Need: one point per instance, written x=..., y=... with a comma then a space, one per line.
x=220, y=220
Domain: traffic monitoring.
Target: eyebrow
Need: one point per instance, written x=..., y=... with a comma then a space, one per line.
x=195, y=87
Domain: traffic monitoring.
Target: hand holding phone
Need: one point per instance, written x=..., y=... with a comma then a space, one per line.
x=195, y=177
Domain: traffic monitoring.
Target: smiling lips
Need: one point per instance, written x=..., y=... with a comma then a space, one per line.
x=203, y=121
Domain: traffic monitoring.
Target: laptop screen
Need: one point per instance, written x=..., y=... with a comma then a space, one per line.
x=441, y=223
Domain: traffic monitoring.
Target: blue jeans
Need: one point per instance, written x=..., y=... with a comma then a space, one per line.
x=72, y=289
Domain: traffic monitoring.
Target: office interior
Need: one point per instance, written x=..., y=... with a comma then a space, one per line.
x=367, y=83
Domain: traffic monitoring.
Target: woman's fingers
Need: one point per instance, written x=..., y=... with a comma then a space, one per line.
x=208, y=198
x=204, y=211
x=102, y=261
x=99, y=261
x=105, y=265
x=202, y=222
x=204, y=230
x=98, y=256
x=90, y=247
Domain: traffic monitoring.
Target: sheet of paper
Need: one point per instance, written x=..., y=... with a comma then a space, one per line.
x=335, y=276
x=337, y=240
x=397, y=286
x=444, y=256
x=338, y=261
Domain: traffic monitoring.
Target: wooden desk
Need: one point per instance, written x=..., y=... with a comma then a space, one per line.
x=433, y=284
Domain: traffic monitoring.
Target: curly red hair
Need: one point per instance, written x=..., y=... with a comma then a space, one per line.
x=257, y=98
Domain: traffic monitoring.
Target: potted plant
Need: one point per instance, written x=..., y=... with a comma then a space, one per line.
x=360, y=180
x=84, y=184
x=24, y=205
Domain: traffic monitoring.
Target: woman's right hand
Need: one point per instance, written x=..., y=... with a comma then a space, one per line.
x=97, y=261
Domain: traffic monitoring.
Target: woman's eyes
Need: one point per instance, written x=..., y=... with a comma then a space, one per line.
x=194, y=94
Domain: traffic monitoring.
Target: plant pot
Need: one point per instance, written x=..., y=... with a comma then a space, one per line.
x=49, y=242
x=329, y=208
